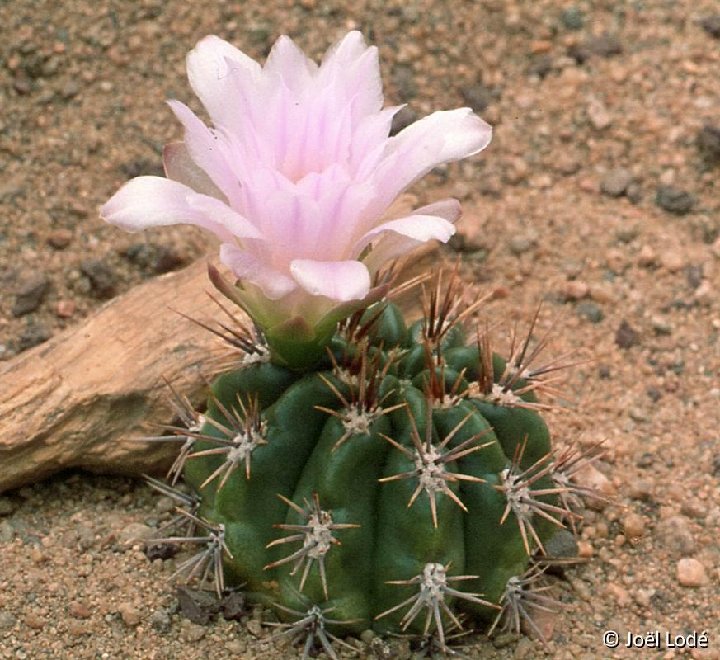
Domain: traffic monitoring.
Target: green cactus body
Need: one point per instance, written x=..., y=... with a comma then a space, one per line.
x=358, y=497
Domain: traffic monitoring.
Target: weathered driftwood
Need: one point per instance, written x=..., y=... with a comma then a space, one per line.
x=82, y=399
x=79, y=399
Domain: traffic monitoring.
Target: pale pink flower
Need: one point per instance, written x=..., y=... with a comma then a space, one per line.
x=296, y=176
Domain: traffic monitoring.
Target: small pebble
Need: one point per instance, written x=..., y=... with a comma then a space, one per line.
x=30, y=294
x=647, y=257
x=573, y=18
x=193, y=633
x=674, y=534
x=540, y=65
x=78, y=628
x=478, y=97
x=134, y=533
x=160, y=621
x=236, y=647
x=619, y=593
x=561, y=545
x=640, y=489
x=129, y=614
x=35, y=621
x=254, y=627
x=616, y=260
x=585, y=549
x=33, y=335
x=661, y=326
x=575, y=290
x=521, y=244
x=711, y=25
x=616, y=182
x=101, y=276
x=708, y=141
x=599, y=116
x=70, y=90
x=604, y=45
x=589, y=311
x=626, y=336
x=402, y=119
x=633, y=525
x=60, y=238
x=642, y=596
x=705, y=294
x=7, y=620
x=694, y=508
x=525, y=649
x=602, y=293
x=7, y=531
x=691, y=572
x=672, y=260
x=588, y=476
x=674, y=200
x=6, y=506
x=65, y=308
x=694, y=274
x=79, y=610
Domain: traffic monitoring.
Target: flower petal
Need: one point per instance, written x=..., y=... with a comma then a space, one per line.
x=211, y=68
x=180, y=167
x=352, y=70
x=246, y=266
x=208, y=150
x=403, y=235
x=422, y=225
x=290, y=64
x=153, y=201
x=439, y=138
x=338, y=280
x=220, y=212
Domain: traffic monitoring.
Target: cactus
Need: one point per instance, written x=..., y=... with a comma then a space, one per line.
x=403, y=483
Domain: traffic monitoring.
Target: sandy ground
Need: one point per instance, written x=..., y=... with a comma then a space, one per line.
x=598, y=196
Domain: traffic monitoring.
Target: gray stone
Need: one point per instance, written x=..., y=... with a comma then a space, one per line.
x=404, y=79
x=562, y=545
x=101, y=276
x=30, y=294
x=674, y=200
x=708, y=141
x=626, y=336
x=402, y=119
x=33, y=335
x=478, y=97
x=589, y=311
x=7, y=531
x=7, y=620
x=711, y=25
x=6, y=506
x=572, y=18
x=161, y=622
